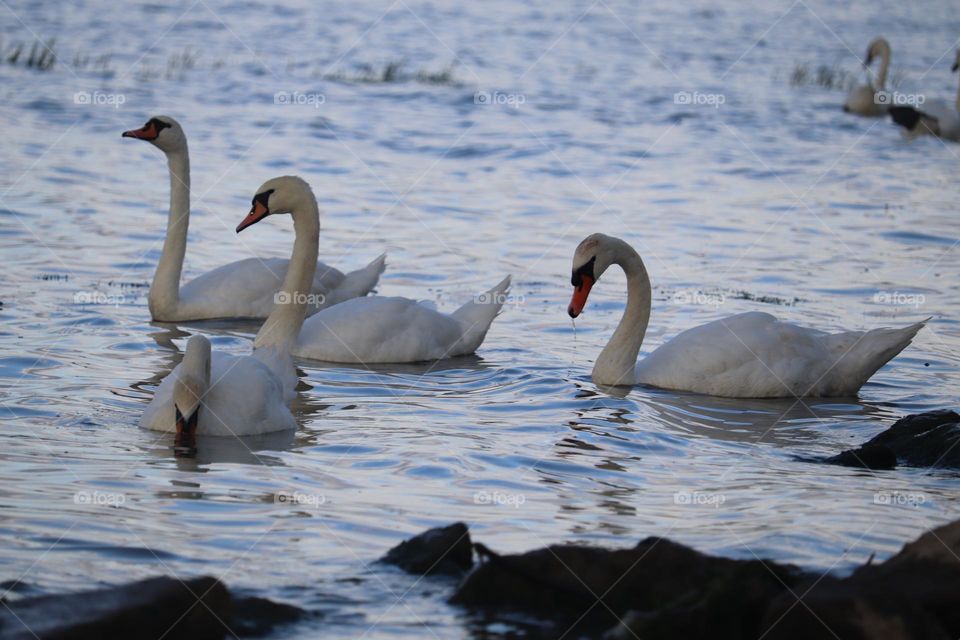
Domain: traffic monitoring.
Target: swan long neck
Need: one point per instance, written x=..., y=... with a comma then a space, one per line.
x=194, y=378
x=884, y=66
x=617, y=363
x=165, y=289
x=283, y=324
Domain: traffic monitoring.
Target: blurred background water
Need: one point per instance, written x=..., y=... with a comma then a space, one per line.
x=468, y=140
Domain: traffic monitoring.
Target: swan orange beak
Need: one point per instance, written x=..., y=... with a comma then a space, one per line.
x=580, y=293
x=257, y=213
x=146, y=132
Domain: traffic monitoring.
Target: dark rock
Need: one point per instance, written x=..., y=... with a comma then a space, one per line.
x=929, y=439
x=444, y=550
x=196, y=608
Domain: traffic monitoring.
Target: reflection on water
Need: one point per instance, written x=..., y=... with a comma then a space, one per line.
x=772, y=201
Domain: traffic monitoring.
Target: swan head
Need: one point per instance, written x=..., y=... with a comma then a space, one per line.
x=878, y=47
x=277, y=195
x=189, y=389
x=593, y=256
x=163, y=132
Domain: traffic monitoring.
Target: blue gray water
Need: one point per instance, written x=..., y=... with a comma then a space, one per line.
x=772, y=201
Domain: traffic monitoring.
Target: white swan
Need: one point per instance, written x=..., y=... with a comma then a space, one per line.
x=749, y=355
x=242, y=289
x=936, y=117
x=862, y=100
x=376, y=330
x=218, y=394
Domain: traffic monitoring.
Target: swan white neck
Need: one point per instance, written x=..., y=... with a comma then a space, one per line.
x=884, y=67
x=616, y=364
x=194, y=378
x=165, y=289
x=283, y=324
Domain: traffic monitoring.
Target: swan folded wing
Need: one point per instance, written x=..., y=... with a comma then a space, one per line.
x=377, y=330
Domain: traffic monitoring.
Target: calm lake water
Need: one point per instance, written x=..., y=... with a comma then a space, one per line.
x=757, y=195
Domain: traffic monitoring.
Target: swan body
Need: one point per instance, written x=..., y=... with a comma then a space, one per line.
x=218, y=394
x=242, y=289
x=862, y=99
x=936, y=117
x=394, y=330
x=748, y=355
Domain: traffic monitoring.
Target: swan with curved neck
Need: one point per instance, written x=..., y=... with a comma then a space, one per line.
x=219, y=394
x=863, y=99
x=241, y=289
x=749, y=355
x=935, y=117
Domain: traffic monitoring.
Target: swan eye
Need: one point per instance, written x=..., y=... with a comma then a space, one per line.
x=262, y=199
x=586, y=270
x=158, y=125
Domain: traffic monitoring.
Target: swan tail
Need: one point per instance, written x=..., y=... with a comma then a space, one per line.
x=360, y=282
x=477, y=315
x=914, y=121
x=869, y=351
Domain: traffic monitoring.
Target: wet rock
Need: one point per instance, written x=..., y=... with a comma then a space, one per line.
x=444, y=550
x=200, y=608
x=929, y=439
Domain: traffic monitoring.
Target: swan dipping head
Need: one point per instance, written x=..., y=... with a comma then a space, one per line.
x=592, y=257
x=162, y=132
x=191, y=385
x=277, y=195
x=877, y=48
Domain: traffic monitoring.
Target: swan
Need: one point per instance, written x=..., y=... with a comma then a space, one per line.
x=241, y=289
x=862, y=100
x=379, y=330
x=218, y=394
x=936, y=117
x=749, y=355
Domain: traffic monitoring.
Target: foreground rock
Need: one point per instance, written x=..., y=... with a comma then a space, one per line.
x=929, y=439
x=199, y=608
x=661, y=589
x=444, y=550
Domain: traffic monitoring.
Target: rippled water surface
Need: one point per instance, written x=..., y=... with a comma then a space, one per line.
x=773, y=200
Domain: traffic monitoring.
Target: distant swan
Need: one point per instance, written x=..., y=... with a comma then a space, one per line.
x=219, y=394
x=241, y=289
x=375, y=329
x=749, y=355
x=862, y=99
x=936, y=117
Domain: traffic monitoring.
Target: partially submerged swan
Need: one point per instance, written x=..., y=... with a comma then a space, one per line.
x=241, y=289
x=862, y=100
x=749, y=355
x=936, y=117
x=218, y=394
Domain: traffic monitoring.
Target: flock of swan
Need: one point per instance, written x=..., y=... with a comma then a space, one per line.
x=312, y=310
x=933, y=117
